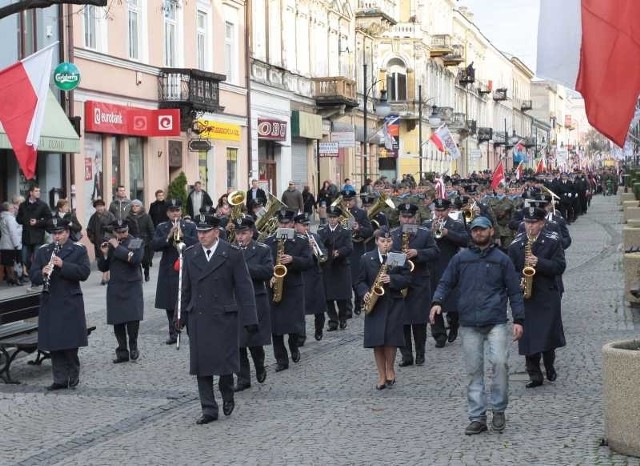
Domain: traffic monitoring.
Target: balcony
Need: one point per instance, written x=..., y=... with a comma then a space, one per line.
x=500, y=94
x=455, y=57
x=192, y=91
x=374, y=17
x=334, y=91
x=458, y=120
x=485, y=134
x=472, y=125
x=529, y=142
x=526, y=105
x=484, y=88
x=467, y=76
x=440, y=45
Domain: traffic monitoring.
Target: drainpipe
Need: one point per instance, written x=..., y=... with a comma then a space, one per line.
x=247, y=63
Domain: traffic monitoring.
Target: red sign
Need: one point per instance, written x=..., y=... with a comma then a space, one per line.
x=132, y=121
x=274, y=130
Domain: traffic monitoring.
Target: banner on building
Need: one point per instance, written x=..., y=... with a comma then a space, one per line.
x=100, y=117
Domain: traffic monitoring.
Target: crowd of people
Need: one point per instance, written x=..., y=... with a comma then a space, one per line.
x=237, y=281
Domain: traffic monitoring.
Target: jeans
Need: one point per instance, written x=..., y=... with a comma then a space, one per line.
x=495, y=339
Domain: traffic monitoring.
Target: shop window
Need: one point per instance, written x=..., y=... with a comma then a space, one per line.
x=136, y=169
x=116, y=177
x=232, y=167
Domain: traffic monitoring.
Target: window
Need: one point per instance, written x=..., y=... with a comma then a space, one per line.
x=170, y=33
x=90, y=26
x=231, y=58
x=232, y=165
x=202, y=39
x=116, y=178
x=396, y=80
x=134, y=29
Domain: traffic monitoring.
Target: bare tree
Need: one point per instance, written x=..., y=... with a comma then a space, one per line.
x=23, y=5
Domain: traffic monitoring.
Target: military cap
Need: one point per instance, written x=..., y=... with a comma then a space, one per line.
x=383, y=232
x=533, y=214
x=408, y=209
x=285, y=216
x=174, y=204
x=348, y=193
x=119, y=225
x=57, y=224
x=206, y=222
x=302, y=218
x=244, y=223
x=442, y=204
x=334, y=211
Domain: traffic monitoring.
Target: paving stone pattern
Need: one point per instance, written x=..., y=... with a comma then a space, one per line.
x=325, y=410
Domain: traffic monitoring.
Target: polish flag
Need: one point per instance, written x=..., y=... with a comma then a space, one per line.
x=541, y=167
x=519, y=172
x=443, y=140
x=23, y=95
x=498, y=176
x=592, y=46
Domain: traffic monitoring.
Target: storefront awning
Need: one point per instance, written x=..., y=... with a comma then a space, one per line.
x=57, y=133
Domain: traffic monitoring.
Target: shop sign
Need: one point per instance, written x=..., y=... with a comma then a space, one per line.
x=199, y=145
x=66, y=76
x=217, y=130
x=328, y=149
x=132, y=121
x=271, y=129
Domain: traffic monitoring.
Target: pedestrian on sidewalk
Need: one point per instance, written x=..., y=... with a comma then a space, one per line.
x=141, y=226
x=98, y=229
x=10, y=243
x=488, y=278
x=33, y=215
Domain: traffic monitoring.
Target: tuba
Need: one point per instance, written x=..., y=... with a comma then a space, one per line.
x=528, y=271
x=376, y=291
x=346, y=219
x=267, y=224
x=235, y=199
x=279, y=272
x=382, y=202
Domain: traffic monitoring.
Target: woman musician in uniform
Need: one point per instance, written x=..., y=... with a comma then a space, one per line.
x=383, y=325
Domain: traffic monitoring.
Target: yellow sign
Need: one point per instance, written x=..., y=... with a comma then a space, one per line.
x=217, y=130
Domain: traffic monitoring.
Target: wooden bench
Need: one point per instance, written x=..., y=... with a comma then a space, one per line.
x=19, y=335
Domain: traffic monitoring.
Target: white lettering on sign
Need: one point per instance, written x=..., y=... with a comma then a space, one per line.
x=113, y=118
x=66, y=78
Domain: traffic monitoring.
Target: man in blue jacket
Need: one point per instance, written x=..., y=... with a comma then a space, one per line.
x=488, y=278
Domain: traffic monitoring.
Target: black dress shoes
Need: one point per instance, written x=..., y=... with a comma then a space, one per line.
x=440, y=342
x=295, y=355
x=241, y=386
x=73, y=383
x=534, y=383
x=332, y=328
x=390, y=383
x=419, y=359
x=453, y=334
x=357, y=310
x=261, y=375
x=343, y=325
x=318, y=335
x=171, y=341
x=551, y=374
x=405, y=363
x=227, y=407
x=134, y=354
x=57, y=386
x=119, y=360
x=206, y=419
x=381, y=386
x=281, y=367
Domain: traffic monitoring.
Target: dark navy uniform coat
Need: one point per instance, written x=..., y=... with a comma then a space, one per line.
x=314, y=297
x=337, y=271
x=260, y=265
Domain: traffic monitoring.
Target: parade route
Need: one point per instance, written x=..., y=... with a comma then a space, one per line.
x=325, y=409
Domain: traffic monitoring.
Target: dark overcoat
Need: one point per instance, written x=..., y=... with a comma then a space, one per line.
x=217, y=300
x=384, y=325
x=287, y=316
x=124, y=290
x=418, y=300
x=337, y=270
x=38, y=211
x=543, y=328
x=364, y=232
x=457, y=237
x=314, y=295
x=167, y=287
x=61, y=322
x=260, y=265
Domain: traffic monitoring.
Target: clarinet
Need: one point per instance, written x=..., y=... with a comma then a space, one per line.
x=47, y=278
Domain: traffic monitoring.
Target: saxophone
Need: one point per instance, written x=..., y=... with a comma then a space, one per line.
x=376, y=291
x=279, y=272
x=405, y=248
x=528, y=271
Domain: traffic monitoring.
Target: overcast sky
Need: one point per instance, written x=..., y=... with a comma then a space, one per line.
x=511, y=25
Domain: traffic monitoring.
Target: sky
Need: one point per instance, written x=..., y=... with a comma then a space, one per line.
x=511, y=25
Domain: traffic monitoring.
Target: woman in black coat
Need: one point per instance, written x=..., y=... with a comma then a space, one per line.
x=63, y=210
x=383, y=326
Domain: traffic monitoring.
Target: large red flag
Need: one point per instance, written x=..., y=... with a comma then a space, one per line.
x=23, y=94
x=540, y=168
x=498, y=176
x=592, y=46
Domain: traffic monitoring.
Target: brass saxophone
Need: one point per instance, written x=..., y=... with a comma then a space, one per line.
x=279, y=272
x=528, y=271
x=376, y=291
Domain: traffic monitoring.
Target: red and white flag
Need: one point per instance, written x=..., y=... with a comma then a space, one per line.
x=592, y=46
x=441, y=190
x=541, y=167
x=498, y=176
x=23, y=95
x=519, y=172
x=443, y=140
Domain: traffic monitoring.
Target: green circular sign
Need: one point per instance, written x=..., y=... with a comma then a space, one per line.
x=66, y=76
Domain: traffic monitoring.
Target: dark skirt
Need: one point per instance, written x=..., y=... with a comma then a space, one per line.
x=384, y=326
x=8, y=257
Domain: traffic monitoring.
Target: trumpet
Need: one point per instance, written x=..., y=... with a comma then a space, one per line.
x=468, y=212
x=177, y=235
x=315, y=249
x=438, y=225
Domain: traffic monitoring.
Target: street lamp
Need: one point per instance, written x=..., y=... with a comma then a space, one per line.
x=382, y=110
x=434, y=120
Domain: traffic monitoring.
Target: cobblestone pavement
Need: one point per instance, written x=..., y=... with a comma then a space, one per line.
x=325, y=409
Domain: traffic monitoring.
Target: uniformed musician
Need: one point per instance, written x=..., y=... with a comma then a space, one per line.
x=314, y=297
x=450, y=236
x=122, y=255
x=337, y=269
x=418, y=244
x=62, y=326
x=260, y=265
x=287, y=315
x=217, y=303
x=383, y=326
x=168, y=234
x=543, y=330
x=380, y=219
